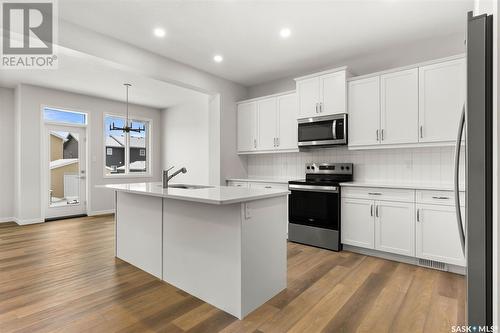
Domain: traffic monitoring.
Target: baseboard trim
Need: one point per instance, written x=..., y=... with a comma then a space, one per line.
x=28, y=221
x=6, y=219
x=397, y=257
x=101, y=212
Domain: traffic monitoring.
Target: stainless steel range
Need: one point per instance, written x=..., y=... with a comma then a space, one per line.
x=314, y=205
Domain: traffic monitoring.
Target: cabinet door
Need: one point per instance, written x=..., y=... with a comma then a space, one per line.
x=364, y=111
x=308, y=97
x=332, y=93
x=399, y=107
x=357, y=222
x=287, y=122
x=267, y=124
x=247, y=126
x=438, y=235
x=441, y=98
x=395, y=227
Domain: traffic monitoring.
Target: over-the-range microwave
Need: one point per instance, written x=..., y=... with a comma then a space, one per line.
x=322, y=131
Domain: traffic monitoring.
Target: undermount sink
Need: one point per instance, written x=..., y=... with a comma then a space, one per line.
x=188, y=187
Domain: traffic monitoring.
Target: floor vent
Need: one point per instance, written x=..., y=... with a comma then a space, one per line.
x=433, y=264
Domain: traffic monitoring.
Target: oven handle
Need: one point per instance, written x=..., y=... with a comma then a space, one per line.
x=313, y=188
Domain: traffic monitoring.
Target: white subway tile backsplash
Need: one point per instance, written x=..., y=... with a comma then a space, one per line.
x=417, y=165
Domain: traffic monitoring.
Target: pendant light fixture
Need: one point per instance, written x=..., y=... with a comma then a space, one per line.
x=128, y=128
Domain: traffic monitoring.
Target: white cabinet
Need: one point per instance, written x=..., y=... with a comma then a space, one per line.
x=308, y=97
x=268, y=124
x=395, y=227
x=247, y=126
x=438, y=234
x=322, y=94
x=358, y=222
x=399, y=107
x=441, y=98
x=287, y=122
x=364, y=111
x=411, y=107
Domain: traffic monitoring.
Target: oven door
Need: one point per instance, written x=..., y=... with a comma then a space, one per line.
x=315, y=206
x=323, y=131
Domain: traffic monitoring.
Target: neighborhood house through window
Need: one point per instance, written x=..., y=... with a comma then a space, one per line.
x=126, y=153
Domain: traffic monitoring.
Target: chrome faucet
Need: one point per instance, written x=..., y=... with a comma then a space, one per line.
x=166, y=178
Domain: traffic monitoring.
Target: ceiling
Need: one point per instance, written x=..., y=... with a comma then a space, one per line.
x=246, y=33
x=89, y=75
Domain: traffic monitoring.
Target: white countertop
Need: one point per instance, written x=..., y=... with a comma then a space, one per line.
x=411, y=186
x=260, y=180
x=217, y=195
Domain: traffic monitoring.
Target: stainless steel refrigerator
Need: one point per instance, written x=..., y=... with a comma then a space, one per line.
x=477, y=119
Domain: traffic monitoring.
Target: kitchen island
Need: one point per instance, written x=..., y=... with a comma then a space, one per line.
x=224, y=245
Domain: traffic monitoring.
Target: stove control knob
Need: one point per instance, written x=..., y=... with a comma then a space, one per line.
x=313, y=167
x=308, y=167
x=347, y=168
x=341, y=168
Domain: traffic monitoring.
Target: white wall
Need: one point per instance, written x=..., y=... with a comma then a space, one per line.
x=6, y=154
x=149, y=64
x=410, y=165
x=392, y=57
x=29, y=180
x=185, y=139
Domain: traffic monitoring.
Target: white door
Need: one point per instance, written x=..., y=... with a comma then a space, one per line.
x=438, y=235
x=364, y=111
x=441, y=97
x=267, y=124
x=332, y=93
x=358, y=222
x=65, y=164
x=395, y=227
x=308, y=97
x=287, y=122
x=399, y=107
x=247, y=126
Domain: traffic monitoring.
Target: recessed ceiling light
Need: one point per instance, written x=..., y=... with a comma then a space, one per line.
x=159, y=32
x=285, y=33
x=218, y=58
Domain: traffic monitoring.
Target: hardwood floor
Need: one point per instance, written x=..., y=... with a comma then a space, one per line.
x=63, y=277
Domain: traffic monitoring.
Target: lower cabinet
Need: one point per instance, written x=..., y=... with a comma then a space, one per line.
x=382, y=225
x=437, y=234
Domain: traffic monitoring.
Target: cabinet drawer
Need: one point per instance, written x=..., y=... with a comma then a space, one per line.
x=269, y=185
x=446, y=198
x=373, y=193
x=237, y=184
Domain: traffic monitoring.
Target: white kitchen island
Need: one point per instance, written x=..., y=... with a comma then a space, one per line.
x=224, y=245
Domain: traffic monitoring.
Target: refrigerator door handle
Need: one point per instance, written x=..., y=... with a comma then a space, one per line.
x=456, y=180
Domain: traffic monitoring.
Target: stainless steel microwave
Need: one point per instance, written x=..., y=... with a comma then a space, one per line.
x=322, y=131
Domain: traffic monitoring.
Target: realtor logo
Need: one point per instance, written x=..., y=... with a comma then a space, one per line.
x=29, y=31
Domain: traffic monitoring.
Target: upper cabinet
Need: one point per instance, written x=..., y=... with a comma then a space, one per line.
x=364, y=111
x=322, y=94
x=399, y=107
x=411, y=107
x=267, y=124
x=441, y=98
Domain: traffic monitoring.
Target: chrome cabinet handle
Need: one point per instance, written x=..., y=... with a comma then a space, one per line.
x=376, y=211
x=255, y=143
x=440, y=198
x=277, y=142
x=456, y=180
x=374, y=193
x=371, y=210
x=267, y=186
x=377, y=136
x=421, y=132
x=317, y=108
x=418, y=214
x=382, y=134
x=320, y=107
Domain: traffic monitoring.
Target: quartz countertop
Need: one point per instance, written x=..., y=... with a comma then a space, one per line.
x=411, y=186
x=218, y=195
x=260, y=180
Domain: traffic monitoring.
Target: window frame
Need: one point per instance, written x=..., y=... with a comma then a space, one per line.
x=53, y=122
x=127, y=173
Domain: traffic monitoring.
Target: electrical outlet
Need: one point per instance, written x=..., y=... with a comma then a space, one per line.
x=248, y=214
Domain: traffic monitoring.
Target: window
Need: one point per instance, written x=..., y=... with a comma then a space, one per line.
x=126, y=153
x=63, y=116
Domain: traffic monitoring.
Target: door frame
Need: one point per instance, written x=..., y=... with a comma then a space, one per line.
x=44, y=158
